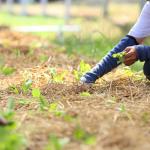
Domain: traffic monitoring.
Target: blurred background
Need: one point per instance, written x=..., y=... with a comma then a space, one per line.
x=84, y=27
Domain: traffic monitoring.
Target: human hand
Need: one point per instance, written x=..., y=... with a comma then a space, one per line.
x=131, y=56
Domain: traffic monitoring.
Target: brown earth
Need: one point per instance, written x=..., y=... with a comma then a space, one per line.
x=98, y=114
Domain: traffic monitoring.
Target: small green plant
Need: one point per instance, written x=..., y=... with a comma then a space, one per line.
x=54, y=108
x=119, y=56
x=122, y=109
x=17, y=52
x=5, y=70
x=85, y=94
x=146, y=117
x=112, y=100
x=82, y=69
x=57, y=111
x=58, y=77
x=56, y=143
x=26, y=86
x=43, y=58
x=24, y=102
x=11, y=139
x=83, y=136
x=43, y=103
x=14, y=89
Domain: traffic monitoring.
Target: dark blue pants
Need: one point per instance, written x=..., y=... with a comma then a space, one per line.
x=146, y=69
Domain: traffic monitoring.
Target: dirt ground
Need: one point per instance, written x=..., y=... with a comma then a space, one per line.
x=116, y=111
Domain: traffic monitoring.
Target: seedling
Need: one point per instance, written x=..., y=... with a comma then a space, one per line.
x=56, y=143
x=14, y=89
x=11, y=139
x=5, y=70
x=43, y=58
x=119, y=56
x=54, y=108
x=24, y=102
x=85, y=94
x=82, y=69
x=122, y=109
x=112, y=100
x=83, y=136
x=26, y=86
x=58, y=77
x=43, y=103
x=17, y=52
x=146, y=117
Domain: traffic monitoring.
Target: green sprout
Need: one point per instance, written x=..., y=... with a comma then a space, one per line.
x=85, y=94
x=82, y=69
x=11, y=139
x=120, y=56
x=56, y=143
x=122, y=109
x=43, y=58
x=57, y=77
x=5, y=70
x=83, y=136
x=26, y=86
x=43, y=103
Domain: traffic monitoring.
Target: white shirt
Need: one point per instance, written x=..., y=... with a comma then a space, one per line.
x=142, y=27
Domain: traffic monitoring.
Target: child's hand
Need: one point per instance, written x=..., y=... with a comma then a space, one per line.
x=131, y=56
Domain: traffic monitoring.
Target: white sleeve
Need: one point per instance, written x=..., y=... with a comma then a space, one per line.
x=142, y=27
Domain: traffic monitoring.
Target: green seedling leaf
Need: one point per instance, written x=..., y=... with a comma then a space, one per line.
x=85, y=94
x=10, y=138
x=68, y=118
x=54, y=108
x=24, y=102
x=14, y=89
x=122, y=108
x=10, y=107
x=119, y=56
x=56, y=143
x=82, y=69
x=52, y=71
x=36, y=93
x=112, y=100
x=146, y=117
x=43, y=58
x=7, y=70
x=26, y=86
x=83, y=136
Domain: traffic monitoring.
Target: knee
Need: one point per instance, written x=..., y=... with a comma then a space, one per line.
x=146, y=69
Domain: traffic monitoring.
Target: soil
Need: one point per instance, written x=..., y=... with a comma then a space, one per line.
x=98, y=114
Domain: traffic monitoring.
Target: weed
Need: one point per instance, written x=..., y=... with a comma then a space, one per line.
x=112, y=100
x=23, y=102
x=17, y=52
x=54, y=108
x=26, y=86
x=146, y=117
x=119, y=56
x=82, y=69
x=5, y=70
x=83, y=136
x=56, y=143
x=43, y=103
x=43, y=58
x=122, y=109
x=14, y=89
x=58, y=77
x=10, y=138
x=85, y=94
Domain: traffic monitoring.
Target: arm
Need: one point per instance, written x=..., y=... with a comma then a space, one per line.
x=143, y=52
x=138, y=52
